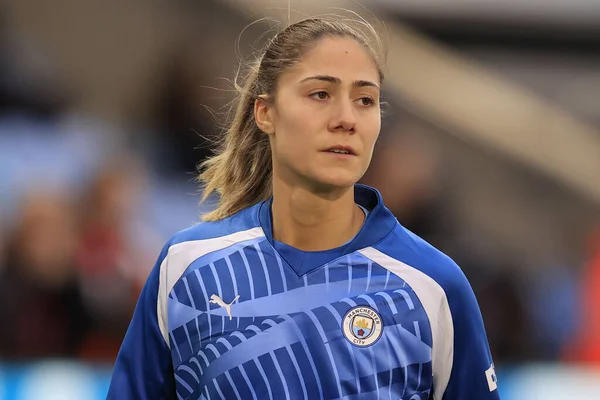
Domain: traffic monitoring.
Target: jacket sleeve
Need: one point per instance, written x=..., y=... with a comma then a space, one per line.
x=472, y=376
x=143, y=369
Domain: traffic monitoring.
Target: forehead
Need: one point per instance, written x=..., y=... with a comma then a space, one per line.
x=341, y=57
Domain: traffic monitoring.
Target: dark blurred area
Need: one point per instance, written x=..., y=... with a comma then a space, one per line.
x=105, y=111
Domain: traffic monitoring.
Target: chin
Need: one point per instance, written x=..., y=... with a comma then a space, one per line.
x=337, y=181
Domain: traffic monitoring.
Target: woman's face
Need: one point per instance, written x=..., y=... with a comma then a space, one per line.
x=326, y=116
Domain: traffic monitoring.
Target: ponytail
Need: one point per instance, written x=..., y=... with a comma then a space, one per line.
x=241, y=170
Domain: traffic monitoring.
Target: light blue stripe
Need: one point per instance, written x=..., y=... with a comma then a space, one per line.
x=175, y=345
x=414, y=349
x=245, y=376
x=349, y=280
x=409, y=350
x=250, y=278
x=184, y=383
x=317, y=324
x=418, y=333
x=404, y=293
x=206, y=295
x=389, y=352
x=387, y=279
x=405, y=381
x=278, y=336
x=218, y=389
x=338, y=319
x=264, y=376
x=375, y=395
x=189, y=293
x=232, y=275
x=369, y=271
x=369, y=300
x=272, y=323
x=417, y=329
x=189, y=371
x=234, y=280
x=219, y=291
x=389, y=300
x=307, y=352
x=233, y=386
x=264, y=265
x=283, y=278
x=225, y=343
x=201, y=354
x=215, y=351
x=228, y=345
x=222, y=253
x=187, y=334
x=180, y=314
x=242, y=369
x=217, y=280
x=195, y=361
x=297, y=367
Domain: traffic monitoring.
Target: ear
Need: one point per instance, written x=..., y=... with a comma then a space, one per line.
x=263, y=115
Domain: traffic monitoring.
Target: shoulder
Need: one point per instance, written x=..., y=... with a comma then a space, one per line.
x=417, y=257
x=238, y=227
x=205, y=238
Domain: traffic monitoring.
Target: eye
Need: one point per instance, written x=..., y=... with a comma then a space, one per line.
x=366, y=101
x=322, y=95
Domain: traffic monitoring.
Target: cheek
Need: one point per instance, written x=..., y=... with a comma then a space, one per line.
x=294, y=134
x=372, y=134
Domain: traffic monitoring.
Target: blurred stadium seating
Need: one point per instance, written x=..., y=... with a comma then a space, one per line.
x=490, y=150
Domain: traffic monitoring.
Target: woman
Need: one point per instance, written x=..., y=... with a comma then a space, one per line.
x=301, y=284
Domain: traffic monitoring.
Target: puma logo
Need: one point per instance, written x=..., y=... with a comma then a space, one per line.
x=217, y=300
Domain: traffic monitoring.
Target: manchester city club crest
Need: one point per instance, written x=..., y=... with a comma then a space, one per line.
x=362, y=326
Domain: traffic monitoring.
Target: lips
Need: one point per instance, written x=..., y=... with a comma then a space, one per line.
x=338, y=149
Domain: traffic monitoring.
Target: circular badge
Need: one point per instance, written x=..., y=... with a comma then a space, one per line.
x=362, y=326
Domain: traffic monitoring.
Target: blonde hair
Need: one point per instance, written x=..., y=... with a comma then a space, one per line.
x=241, y=169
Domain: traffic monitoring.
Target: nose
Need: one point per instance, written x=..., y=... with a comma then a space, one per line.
x=344, y=117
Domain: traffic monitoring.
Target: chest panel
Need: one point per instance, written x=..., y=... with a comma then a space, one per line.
x=244, y=325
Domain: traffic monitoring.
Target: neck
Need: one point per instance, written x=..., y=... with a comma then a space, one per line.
x=314, y=222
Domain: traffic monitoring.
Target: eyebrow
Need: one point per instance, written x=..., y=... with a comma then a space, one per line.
x=336, y=80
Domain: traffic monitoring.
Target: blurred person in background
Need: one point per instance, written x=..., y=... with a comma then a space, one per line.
x=40, y=303
x=2, y=243
x=110, y=253
x=584, y=348
x=185, y=127
x=407, y=170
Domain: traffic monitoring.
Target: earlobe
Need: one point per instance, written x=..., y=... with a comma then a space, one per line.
x=262, y=116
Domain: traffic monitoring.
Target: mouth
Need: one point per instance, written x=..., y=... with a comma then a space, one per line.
x=341, y=150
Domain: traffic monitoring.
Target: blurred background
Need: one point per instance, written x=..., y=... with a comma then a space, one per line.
x=490, y=150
